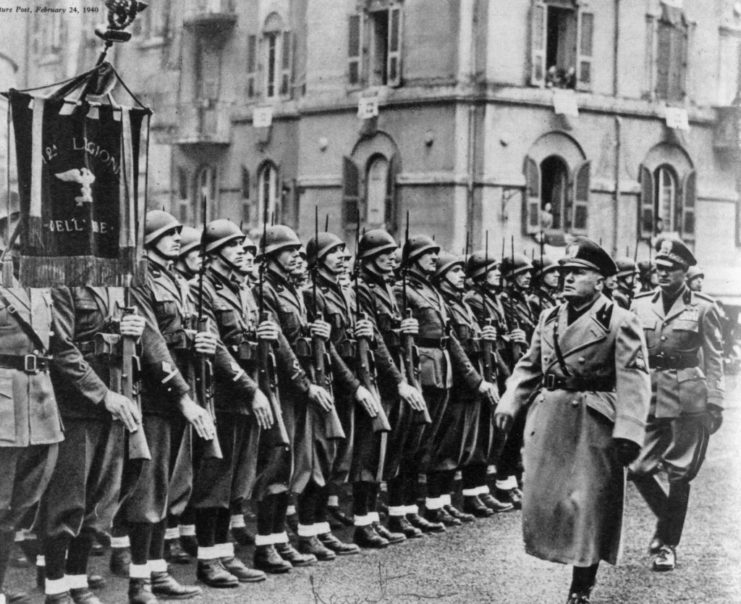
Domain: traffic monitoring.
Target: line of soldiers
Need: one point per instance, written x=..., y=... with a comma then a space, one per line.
x=271, y=389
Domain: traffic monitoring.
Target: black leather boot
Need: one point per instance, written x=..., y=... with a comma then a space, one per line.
x=213, y=574
x=474, y=506
x=237, y=568
x=338, y=547
x=367, y=537
x=165, y=585
x=297, y=559
x=267, y=559
x=140, y=592
x=425, y=525
x=400, y=524
x=391, y=536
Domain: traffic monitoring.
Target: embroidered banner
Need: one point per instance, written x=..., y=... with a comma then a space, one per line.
x=77, y=177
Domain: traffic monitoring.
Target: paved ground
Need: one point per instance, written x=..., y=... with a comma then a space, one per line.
x=486, y=563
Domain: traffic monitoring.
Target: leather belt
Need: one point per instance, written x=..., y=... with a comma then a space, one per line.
x=28, y=363
x=433, y=342
x=672, y=361
x=577, y=383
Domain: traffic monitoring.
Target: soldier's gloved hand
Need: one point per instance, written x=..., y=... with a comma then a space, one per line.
x=123, y=410
x=364, y=329
x=626, y=450
x=518, y=335
x=132, y=325
x=320, y=329
x=205, y=343
x=412, y=397
x=713, y=418
x=321, y=397
x=503, y=422
x=261, y=410
x=489, y=332
x=369, y=402
x=268, y=330
x=198, y=417
x=489, y=392
x=410, y=326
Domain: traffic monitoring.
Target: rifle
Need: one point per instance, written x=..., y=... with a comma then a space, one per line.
x=409, y=350
x=365, y=359
x=319, y=354
x=511, y=313
x=204, y=369
x=267, y=379
x=124, y=374
x=487, y=350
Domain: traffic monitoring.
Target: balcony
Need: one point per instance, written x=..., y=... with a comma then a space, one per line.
x=210, y=17
x=204, y=122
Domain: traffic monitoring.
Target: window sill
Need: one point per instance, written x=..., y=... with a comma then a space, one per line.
x=153, y=42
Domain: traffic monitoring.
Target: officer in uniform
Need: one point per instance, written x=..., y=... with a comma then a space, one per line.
x=695, y=278
x=358, y=455
x=167, y=406
x=403, y=403
x=520, y=316
x=625, y=282
x=84, y=490
x=241, y=408
x=306, y=410
x=587, y=363
x=469, y=436
x=682, y=330
x=439, y=354
x=30, y=423
x=545, y=286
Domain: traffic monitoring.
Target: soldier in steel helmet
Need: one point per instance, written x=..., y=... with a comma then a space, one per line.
x=625, y=281
x=189, y=259
x=695, y=278
x=241, y=407
x=544, y=293
x=468, y=438
x=587, y=367
x=683, y=334
x=306, y=409
x=376, y=254
x=439, y=354
x=167, y=405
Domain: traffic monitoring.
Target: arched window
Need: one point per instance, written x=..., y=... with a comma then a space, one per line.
x=553, y=189
x=268, y=193
x=665, y=194
x=376, y=192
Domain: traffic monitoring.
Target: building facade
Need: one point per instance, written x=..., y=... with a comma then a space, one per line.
x=611, y=118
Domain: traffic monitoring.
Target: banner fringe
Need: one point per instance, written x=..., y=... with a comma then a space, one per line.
x=81, y=271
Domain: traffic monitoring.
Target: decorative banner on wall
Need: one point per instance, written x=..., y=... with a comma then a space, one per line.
x=77, y=176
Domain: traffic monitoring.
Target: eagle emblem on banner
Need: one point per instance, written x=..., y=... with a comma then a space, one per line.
x=85, y=178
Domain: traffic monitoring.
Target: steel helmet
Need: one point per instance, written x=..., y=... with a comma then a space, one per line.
x=190, y=238
x=625, y=266
x=374, y=242
x=278, y=237
x=157, y=223
x=319, y=246
x=445, y=262
x=220, y=232
x=544, y=265
x=479, y=264
x=249, y=246
x=416, y=246
x=694, y=272
x=516, y=264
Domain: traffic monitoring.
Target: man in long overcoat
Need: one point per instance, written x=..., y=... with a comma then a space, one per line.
x=588, y=359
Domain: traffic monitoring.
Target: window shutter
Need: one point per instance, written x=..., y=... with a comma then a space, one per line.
x=251, y=66
x=393, y=66
x=392, y=202
x=663, y=59
x=286, y=64
x=355, y=50
x=686, y=212
x=538, y=30
x=584, y=56
x=532, y=194
x=350, y=193
x=580, y=206
x=646, y=209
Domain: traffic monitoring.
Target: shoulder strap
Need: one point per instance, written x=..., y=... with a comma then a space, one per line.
x=23, y=324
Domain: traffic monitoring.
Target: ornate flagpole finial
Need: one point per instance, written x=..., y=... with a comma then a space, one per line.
x=121, y=14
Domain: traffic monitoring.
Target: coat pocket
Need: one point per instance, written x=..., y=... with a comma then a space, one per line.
x=7, y=409
x=430, y=370
x=693, y=390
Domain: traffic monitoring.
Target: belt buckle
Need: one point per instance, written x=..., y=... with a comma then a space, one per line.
x=30, y=364
x=444, y=342
x=550, y=381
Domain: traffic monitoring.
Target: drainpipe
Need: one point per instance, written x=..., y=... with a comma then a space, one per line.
x=472, y=137
x=615, y=51
x=615, y=225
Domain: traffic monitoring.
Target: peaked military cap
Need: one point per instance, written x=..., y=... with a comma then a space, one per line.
x=671, y=251
x=585, y=253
